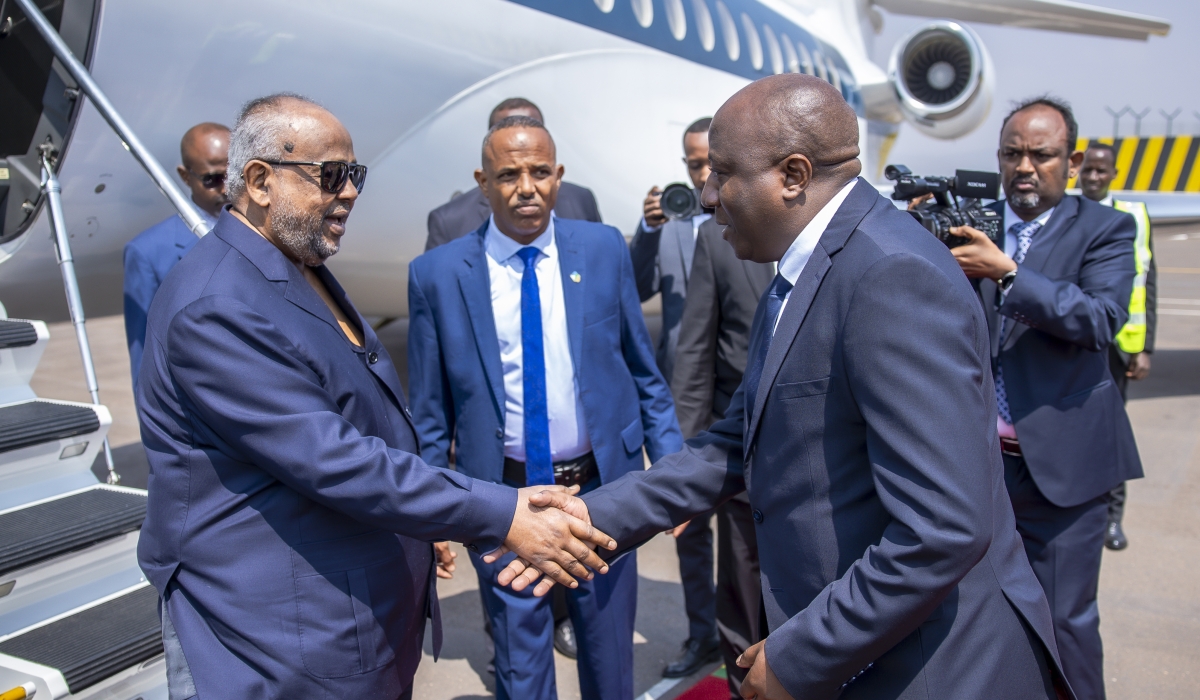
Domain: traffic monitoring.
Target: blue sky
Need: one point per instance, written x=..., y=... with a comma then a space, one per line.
x=1089, y=72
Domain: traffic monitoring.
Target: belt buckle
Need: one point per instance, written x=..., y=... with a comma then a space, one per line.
x=1010, y=447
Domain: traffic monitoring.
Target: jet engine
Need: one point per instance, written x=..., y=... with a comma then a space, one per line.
x=943, y=79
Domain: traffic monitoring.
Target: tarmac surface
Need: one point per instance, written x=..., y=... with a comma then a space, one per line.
x=1149, y=593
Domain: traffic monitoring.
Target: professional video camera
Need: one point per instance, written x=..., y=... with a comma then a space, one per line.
x=945, y=210
x=679, y=201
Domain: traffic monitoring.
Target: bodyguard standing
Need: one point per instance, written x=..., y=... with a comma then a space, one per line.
x=528, y=352
x=1129, y=356
x=1055, y=298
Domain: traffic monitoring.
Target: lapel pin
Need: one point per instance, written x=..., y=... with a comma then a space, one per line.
x=575, y=277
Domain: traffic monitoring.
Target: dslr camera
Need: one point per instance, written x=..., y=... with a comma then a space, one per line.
x=679, y=201
x=946, y=209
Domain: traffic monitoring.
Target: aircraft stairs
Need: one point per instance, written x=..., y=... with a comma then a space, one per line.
x=77, y=617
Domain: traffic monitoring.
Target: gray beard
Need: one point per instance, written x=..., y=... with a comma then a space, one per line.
x=1025, y=201
x=300, y=232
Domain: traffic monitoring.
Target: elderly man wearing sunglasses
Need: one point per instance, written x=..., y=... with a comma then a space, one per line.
x=204, y=152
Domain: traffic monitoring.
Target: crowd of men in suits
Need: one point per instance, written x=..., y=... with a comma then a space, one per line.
x=928, y=458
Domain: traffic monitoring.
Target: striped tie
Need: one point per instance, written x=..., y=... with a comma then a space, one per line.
x=1024, y=231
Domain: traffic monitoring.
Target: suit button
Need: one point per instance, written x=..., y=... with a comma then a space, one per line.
x=757, y=515
x=500, y=433
x=372, y=357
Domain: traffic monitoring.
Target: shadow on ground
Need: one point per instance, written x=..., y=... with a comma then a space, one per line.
x=129, y=461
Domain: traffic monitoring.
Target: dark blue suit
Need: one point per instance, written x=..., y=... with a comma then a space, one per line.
x=148, y=258
x=891, y=565
x=289, y=515
x=456, y=383
x=1069, y=299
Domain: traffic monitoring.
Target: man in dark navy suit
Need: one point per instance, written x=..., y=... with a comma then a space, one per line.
x=467, y=211
x=863, y=432
x=203, y=152
x=289, y=517
x=1055, y=297
x=528, y=352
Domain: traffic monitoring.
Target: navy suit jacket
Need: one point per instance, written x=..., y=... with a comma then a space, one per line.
x=454, y=372
x=148, y=258
x=289, y=516
x=1069, y=300
x=889, y=553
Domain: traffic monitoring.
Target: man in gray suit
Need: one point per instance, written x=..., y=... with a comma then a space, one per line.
x=714, y=336
x=662, y=252
x=467, y=211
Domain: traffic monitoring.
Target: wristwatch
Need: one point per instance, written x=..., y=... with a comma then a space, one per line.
x=1006, y=282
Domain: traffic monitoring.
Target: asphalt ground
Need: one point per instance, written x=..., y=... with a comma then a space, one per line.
x=1149, y=593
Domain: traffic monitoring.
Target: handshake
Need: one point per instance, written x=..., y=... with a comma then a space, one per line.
x=553, y=538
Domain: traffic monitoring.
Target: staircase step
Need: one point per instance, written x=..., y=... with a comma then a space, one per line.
x=16, y=334
x=36, y=422
x=52, y=528
x=97, y=642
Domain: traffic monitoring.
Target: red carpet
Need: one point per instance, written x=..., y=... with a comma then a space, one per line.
x=709, y=688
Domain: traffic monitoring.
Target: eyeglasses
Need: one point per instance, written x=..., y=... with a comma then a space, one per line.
x=334, y=173
x=211, y=181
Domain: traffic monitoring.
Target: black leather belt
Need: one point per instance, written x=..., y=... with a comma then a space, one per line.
x=1010, y=446
x=571, y=472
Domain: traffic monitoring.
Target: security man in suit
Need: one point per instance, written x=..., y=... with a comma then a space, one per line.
x=1129, y=357
x=204, y=153
x=714, y=335
x=527, y=350
x=289, y=516
x=863, y=432
x=1055, y=297
x=662, y=251
x=467, y=211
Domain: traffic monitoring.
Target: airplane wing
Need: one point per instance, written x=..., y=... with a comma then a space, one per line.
x=1055, y=15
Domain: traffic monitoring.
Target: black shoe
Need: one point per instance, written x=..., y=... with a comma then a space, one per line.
x=1114, y=537
x=564, y=639
x=696, y=653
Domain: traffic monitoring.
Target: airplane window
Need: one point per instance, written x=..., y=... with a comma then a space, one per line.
x=728, y=32
x=789, y=54
x=643, y=11
x=806, y=62
x=605, y=6
x=753, y=43
x=818, y=60
x=676, y=20
x=704, y=25
x=835, y=76
x=773, y=50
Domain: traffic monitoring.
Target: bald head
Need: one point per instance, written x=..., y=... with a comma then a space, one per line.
x=780, y=148
x=204, y=153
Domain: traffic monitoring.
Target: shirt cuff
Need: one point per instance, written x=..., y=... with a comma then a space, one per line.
x=648, y=228
x=490, y=511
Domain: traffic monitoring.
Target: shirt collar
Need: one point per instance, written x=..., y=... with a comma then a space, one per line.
x=793, y=261
x=1107, y=201
x=1010, y=216
x=500, y=247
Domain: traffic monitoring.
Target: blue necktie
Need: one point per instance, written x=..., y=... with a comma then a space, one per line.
x=539, y=470
x=1024, y=231
x=778, y=292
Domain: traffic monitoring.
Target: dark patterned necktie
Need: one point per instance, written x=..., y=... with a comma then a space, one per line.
x=775, y=297
x=1024, y=231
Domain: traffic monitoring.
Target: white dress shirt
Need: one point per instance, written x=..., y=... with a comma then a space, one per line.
x=696, y=221
x=796, y=257
x=568, y=433
x=1010, y=218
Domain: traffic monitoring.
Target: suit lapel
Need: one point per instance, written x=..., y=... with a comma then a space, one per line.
x=475, y=285
x=571, y=260
x=686, y=239
x=1040, y=251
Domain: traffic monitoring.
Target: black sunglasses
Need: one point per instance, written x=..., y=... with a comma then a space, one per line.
x=334, y=173
x=211, y=181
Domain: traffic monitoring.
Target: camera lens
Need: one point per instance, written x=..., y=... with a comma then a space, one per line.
x=678, y=201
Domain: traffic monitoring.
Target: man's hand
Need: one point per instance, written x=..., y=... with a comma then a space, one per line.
x=548, y=535
x=445, y=559
x=1139, y=366
x=652, y=208
x=918, y=201
x=760, y=682
x=678, y=529
x=980, y=257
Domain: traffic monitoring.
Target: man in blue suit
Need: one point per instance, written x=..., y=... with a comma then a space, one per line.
x=204, y=152
x=864, y=434
x=1055, y=297
x=289, y=517
x=528, y=351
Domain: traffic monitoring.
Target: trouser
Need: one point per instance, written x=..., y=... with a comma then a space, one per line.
x=1118, y=364
x=695, y=549
x=1064, y=547
x=741, y=618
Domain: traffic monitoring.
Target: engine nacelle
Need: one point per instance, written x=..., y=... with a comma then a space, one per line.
x=943, y=79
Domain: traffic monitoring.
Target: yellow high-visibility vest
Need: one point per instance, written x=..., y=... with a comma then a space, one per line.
x=1132, y=337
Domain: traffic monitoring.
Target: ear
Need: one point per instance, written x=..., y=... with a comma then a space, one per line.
x=562, y=169
x=183, y=174
x=797, y=171
x=258, y=177
x=1074, y=164
x=481, y=180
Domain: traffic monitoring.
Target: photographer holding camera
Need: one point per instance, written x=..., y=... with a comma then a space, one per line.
x=1055, y=297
